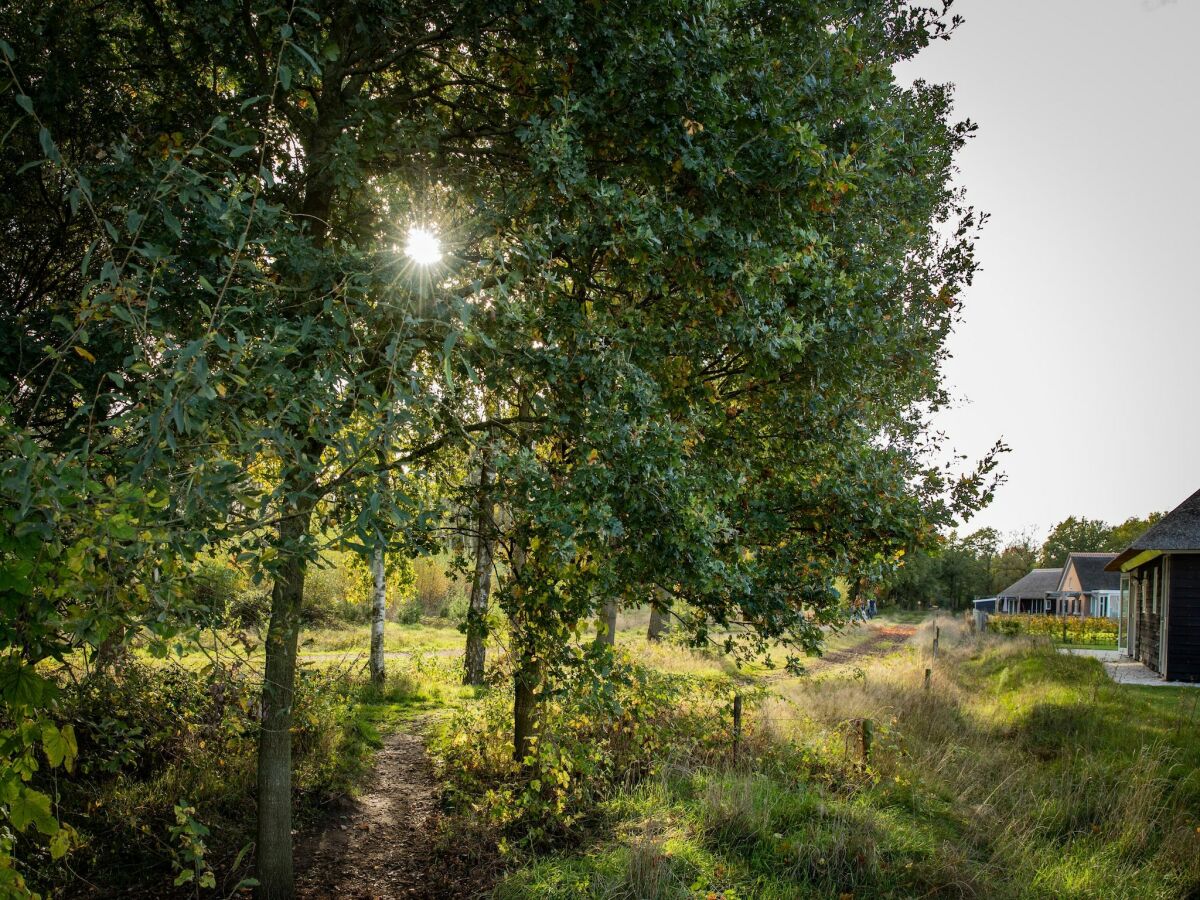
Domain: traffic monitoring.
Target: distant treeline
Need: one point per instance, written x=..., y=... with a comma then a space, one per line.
x=960, y=569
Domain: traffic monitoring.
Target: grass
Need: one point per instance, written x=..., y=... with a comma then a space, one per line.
x=1021, y=773
x=1090, y=646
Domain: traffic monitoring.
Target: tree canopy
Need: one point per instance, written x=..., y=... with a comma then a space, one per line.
x=701, y=260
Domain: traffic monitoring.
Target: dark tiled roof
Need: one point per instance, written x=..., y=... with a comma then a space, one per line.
x=1034, y=585
x=1092, y=574
x=1177, y=530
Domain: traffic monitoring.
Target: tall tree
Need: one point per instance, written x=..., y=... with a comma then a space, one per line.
x=481, y=581
x=1019, y=554
x=1074, y=535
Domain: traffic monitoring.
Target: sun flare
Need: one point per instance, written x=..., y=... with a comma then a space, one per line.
x=422, y=246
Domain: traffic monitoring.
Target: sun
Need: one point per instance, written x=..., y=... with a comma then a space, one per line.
x=422, y=246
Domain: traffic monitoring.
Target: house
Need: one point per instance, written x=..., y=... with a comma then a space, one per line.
x=1031, y=593
x=1087, y=588
x=1160, y=586
x=986, y=604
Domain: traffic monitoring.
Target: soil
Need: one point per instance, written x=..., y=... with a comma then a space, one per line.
x=385, y=845
x=883, y=640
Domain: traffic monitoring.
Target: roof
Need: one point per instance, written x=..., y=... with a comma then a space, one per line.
x=1034, y=585
x=1090, y=567
x=1177, y=530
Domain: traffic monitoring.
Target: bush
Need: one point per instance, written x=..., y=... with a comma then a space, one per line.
x=435, y=590
x=227, y=595
x=409, y=612
x=601, y=733
x=162, y=747
x=1069, y=629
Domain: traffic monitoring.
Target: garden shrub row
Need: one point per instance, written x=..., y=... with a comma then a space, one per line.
x=1067, y=629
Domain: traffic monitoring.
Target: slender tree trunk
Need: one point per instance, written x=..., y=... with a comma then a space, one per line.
x=274, y=848
x=606, y=627
x=481, y=584
x=527, y=675
x=527, y=682
x=658, y=623
x=378, y=615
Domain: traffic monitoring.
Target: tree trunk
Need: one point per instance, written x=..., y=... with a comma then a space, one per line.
x=274, y=848
x=658, y=623
x=527, y=675
x=378, y=616
x=527, y=681
x=606, y=627
x=481, y=584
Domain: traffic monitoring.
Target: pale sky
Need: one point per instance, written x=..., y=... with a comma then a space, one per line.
x=1080, y=344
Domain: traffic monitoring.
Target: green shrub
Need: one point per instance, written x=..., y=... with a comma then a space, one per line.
x=169, y=751
x=600, y=734
x=1069, y=629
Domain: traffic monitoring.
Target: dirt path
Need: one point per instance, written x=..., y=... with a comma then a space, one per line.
x=881, y=642
x=383, y=846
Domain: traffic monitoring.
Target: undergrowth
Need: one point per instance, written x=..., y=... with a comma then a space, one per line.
x=1020, y=772
x=163, y=798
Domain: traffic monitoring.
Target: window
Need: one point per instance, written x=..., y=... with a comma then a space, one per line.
x=1154, y=594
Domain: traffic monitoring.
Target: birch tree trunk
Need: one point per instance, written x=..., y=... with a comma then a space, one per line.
x=378, y=615
x=481, y=584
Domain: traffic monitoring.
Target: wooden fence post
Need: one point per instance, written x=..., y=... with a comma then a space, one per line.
x=737, y=724
x=928, y=678
x=937, y=637
x=867, y=734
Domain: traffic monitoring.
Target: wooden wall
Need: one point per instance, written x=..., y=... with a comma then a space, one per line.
x=1149, y=621
x=1183, y=620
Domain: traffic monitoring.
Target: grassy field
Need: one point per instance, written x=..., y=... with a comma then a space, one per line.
x=1020, y=773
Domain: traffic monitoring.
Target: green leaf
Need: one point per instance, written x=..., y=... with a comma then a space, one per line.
x=60, y=745
x=31, y=807
x=48, y=146
x=60, y=843
x=20, y=685
x=25, y=103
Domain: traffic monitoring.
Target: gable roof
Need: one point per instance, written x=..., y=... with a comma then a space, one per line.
x=1034, y=585
x=1177, y=530
x=1090, y=568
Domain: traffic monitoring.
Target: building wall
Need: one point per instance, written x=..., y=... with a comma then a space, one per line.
x=1069, y=606
x=1183, y=619
x=1149, y=612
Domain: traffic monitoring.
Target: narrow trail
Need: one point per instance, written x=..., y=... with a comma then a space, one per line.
x=884, y=640
x=383, y=845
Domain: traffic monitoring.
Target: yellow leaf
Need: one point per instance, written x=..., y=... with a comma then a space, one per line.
x=593, y=456
x=84, y=353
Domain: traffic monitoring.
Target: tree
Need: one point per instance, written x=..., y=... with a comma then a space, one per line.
x=702, y=261
x=1121, y=536
x=226, y=318
x=481, y=581
x=730, y=400
x=1015, y=560
x=1074, y=535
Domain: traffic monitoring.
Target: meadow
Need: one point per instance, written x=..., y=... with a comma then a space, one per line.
x=1018, y=772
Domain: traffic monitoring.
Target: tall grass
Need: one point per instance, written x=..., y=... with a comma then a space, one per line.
x=1019, y=773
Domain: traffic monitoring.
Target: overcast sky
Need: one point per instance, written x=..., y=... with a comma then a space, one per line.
x=1080, y=344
